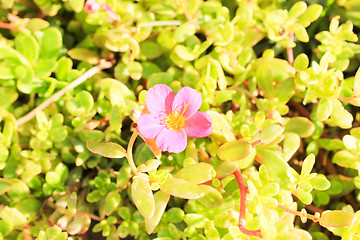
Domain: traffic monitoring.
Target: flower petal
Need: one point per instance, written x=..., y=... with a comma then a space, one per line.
x=149, y=125
x=171, y=141
x=190, y=99
x=198, y=125
x=159, y=99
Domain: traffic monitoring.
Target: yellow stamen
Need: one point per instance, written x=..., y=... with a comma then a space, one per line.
x=176, y=121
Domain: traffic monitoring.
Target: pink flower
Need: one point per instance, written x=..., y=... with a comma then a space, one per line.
x=91, y=6
x=173, y=118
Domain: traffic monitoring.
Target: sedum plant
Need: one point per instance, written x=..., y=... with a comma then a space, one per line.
x=179, y=119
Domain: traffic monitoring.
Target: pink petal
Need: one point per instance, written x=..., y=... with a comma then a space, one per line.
x=188, y=97
x=149, y=125
x=159, y=99
x=171, y=141
x=198, y=125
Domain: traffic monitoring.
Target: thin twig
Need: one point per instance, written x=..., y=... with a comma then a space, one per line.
x=88, y=74
x=243, y=191
x=289, y=50
x=92, y=216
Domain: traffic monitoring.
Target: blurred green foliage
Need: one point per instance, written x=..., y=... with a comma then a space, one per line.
x=290, y=125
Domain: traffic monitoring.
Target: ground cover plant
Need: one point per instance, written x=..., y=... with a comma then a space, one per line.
x=179, y=119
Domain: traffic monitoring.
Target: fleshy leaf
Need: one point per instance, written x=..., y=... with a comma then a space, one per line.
x=109, y=150
x=161, y=200
x=212, y=198
x=277, y=168
x=4, y=185
x=143, y=197
x=182, y=189
x=336, y=218
x=204, y=172
x=225, y=169
x=300, y=125
x=221, y=128
x=112, y=201
x=270, y=133
x=234, y=151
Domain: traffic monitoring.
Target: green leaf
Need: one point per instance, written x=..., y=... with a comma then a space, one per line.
x=161, y=200
x=324, y=109
x=51, y=43
x=36, y=24
x=340, y=115
x=184, y=31
x=80, y=105
x=271, y=133
x=182, y=189
x=225, y=169
x=303, y=196
x=5, y=227
x=29, y=207
x=184, y=53
x=84, y=54
x=297, y=9
x=212, y=198
x=221, y=128
x=5, y=185
x=76, y=5
x=310, y=15
x=204, y=172
x=159, y=78
x=150, y=49
x=307, y=165
x=301, y=62
x=301, y=33
x=291, y=144
x=8, y=96
x=53, y=179
x=112, y=201
x=109, y=150
x=27, y=46
x=143, y=197
x=234, y=150
x=195, y=220
x=14, y=216
x=277, y=168
x=336, y=218
x=300, y=125
x=320, y=183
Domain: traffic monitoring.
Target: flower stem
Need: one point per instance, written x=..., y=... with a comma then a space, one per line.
x=243, y=191
x=303, y=214
x=129, y=155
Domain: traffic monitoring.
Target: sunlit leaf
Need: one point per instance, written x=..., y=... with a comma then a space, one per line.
x=143, y=197
x=182, y=189
x=110, y=150
x=336, y=218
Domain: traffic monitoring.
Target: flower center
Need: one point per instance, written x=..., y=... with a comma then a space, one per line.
x=175, y=121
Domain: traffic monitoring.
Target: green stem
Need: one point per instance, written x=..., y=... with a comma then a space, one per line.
x=129, y=155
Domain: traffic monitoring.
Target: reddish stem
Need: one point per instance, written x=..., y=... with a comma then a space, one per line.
x=243, y=191
x=8, y=26
x=290, y=50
